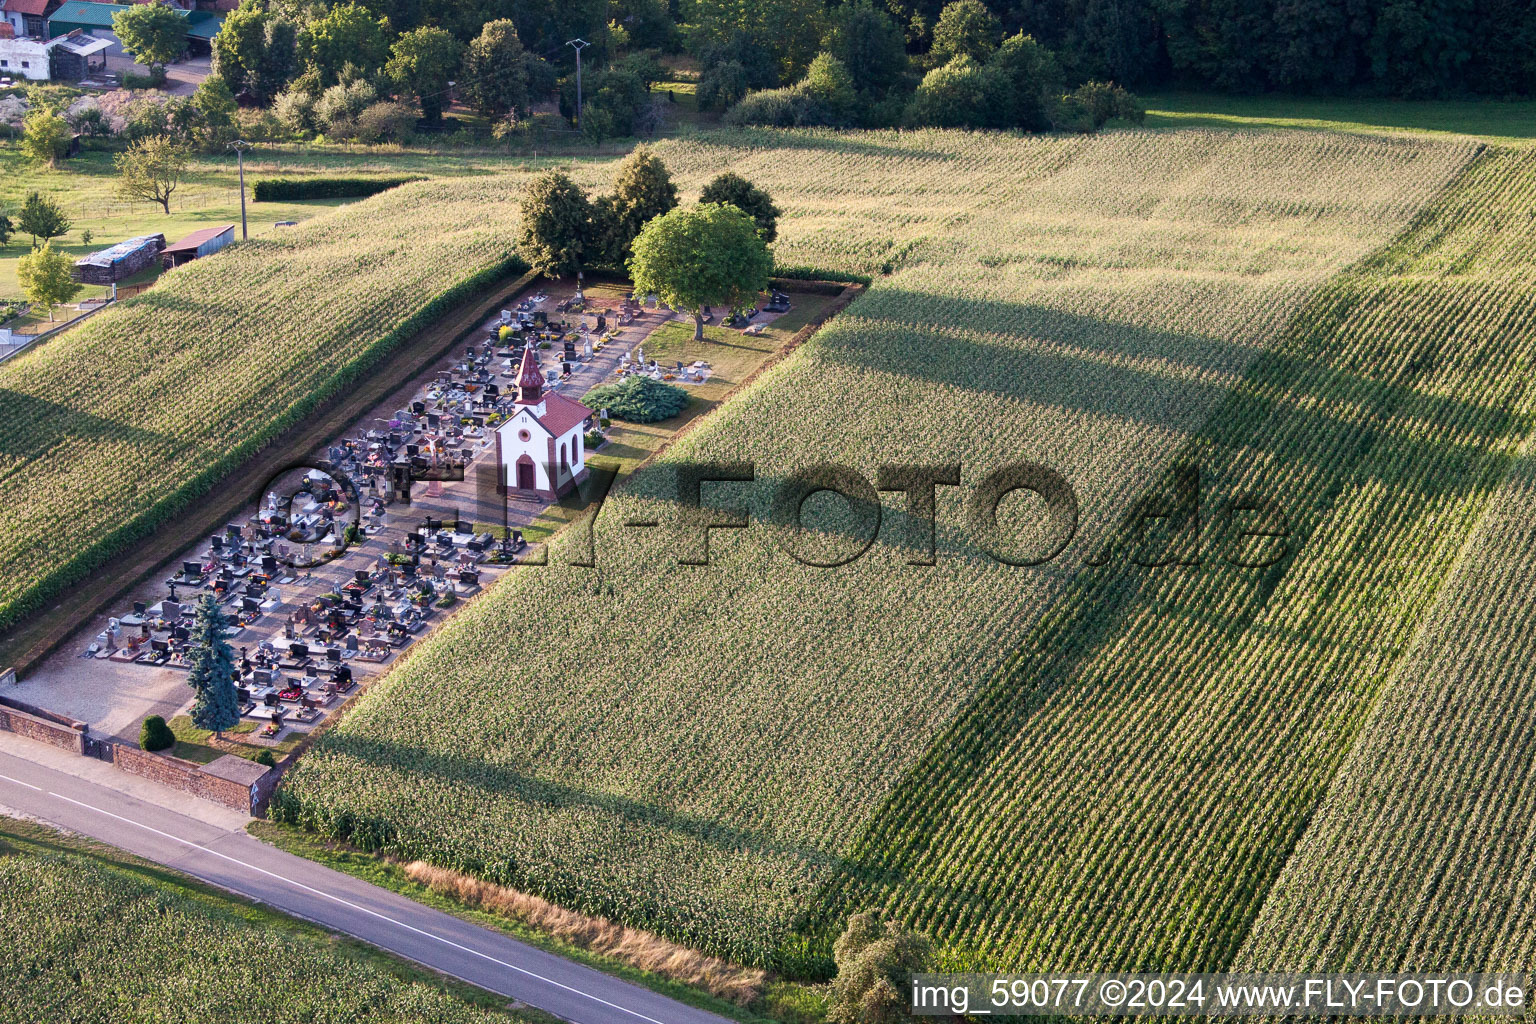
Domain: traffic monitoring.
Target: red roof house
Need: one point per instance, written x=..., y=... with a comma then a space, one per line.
x=29, y=18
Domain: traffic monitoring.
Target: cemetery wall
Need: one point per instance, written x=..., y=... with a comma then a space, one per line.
x=185, y=777
x=42, y=726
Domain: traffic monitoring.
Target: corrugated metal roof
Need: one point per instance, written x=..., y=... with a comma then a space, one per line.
x=92, y=14
x=198, y=237
x=204, y=24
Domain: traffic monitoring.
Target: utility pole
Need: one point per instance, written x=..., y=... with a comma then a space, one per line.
x=579, y=44
x=240, y=146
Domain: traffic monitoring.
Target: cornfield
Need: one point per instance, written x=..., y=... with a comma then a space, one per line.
x=114, y=428
x=1419, y=853
x=736, y=755
x=1127, y=790
x=88, y=941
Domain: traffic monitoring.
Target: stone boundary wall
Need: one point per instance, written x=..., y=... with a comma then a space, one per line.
x=246, y=789
x=36, y=724
x=183, y=776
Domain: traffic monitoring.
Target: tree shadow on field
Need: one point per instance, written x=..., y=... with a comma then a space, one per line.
x=1291, y=404
x=31, y=427
x=502, y=782
x=1358, y=425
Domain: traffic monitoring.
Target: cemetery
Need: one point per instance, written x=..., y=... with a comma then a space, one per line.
x=343, y=564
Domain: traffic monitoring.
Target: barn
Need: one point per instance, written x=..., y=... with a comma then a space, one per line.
x=91, y=18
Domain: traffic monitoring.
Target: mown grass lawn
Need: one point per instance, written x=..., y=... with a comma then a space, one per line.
x=1508, y=122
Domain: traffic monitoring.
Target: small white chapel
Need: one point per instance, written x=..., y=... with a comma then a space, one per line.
x=541, y=446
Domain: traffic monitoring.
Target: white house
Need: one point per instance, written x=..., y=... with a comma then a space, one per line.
x=542, y=445
x=24, y=58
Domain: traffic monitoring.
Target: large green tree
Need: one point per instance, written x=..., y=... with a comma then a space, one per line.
x=731, y=189
x=42, y=218
x=216, y=110
x=495, y=76
x=256, y=52
x=154, y=33
x=791, y=29
x=46, y=278
x=642, y=190
x=706, y=255
x=347, y=34
x=212, y=671
x=556, y=225
x=422, y=62
x=871, y=46
x=1029, y=81
x=965, y=29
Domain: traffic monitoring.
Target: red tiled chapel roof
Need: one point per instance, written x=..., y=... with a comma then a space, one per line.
x=561, y=414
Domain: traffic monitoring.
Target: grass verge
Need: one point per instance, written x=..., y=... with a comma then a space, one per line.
x=783, y=1001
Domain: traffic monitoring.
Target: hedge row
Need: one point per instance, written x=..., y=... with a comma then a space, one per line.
x=290, y=190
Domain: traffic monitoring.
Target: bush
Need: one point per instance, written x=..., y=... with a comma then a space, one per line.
x=824, y=97
x=154, y=80
x=296, y=110
x=960, y=94
x=154, y=734
x=262, y=126
x=337, y=109
x=1092, y=104
x=722, y=86
x=385, y=122
x=875, y=964
x=638, y=400
x=773, y=108
x=267, y=758
x=292, y=190
x=829, y=85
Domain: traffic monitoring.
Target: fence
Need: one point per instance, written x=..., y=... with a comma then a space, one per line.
x=42, y=726
x=14, y=344
x=180, y=201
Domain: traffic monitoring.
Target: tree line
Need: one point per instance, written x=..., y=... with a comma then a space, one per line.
x=333, y=66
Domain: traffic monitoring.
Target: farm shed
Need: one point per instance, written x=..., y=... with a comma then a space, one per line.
x=120, y=262
x=91, y=18
x=202, y=26
x=72, y=56
x=203, y=242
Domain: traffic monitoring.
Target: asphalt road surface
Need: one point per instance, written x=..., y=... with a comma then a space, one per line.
x=235, y=861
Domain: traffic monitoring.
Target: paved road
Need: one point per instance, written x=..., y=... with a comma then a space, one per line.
x=235, y=861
